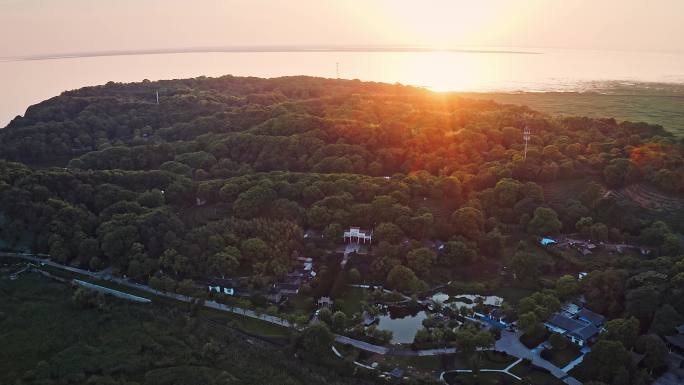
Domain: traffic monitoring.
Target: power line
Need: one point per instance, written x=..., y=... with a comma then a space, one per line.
x=526, y=136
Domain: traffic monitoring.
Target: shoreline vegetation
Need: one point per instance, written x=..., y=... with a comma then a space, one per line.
x=653, y=103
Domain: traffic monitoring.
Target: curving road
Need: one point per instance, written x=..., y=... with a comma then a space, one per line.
x=509, y=342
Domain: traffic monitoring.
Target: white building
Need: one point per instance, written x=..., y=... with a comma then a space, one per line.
x=355, y=234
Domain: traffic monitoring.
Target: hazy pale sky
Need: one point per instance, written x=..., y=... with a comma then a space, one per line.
x=29, y=27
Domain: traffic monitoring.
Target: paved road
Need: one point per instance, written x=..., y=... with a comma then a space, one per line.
x=137, y=286
x=505, y=370
x=392, y=351
x=105, y=274
x=362, y=345
x=576, y=361
x=510, y=343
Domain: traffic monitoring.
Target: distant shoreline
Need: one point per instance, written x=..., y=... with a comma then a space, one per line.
x=260, y=49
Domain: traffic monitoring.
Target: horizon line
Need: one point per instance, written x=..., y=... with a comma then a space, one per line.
x=264, y=49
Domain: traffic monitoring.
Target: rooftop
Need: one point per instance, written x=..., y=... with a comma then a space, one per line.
x=586, y=332
x=676, y=340
x=547, y=241
x=287, y=286
x=589, y=316
x=562, y=322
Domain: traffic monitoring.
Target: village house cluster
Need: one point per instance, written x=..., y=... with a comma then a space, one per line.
x=586, y=247
x=275, y=293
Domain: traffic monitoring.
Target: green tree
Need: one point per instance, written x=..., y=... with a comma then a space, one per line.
x=254, y=201
x=456, y=253
x=619, y=172
x=623, y=330
x=173, y=261
x=665, y=320
x=544, y=222
x=420, y=260
x=604, y=362
x=388, y=232
x=225, y=262
x=354, y=276
x=642, y=303
x=88, y=248
x=469, y=222
x=567, y=287
x=541, y=304
x=313, y=344
x=339, y=321
x=605, y=291
x=333, y=233
x=654, y=235
x=187, y=287
x=325, y=315
x=583, y=225
x=254, y=249
x=558, y=342
x=599, y=232
x=151, y=198
x=530, y=324
x=404, y=279
x=468, y=340
x=656, y=354
x=526, y=266
x=156, y=283
x=591, y=194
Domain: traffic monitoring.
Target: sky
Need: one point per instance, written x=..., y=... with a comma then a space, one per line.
x=36, y=27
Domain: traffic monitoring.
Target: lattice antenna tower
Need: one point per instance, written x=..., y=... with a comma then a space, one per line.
x=337, y=69
x=157, y=93
x=526, y=137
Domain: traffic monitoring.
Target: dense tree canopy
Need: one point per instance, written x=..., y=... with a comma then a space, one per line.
x=224, y=176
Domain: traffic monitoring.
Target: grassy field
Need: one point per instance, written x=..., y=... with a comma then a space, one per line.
x=350, y=301
x=535, y=375
x=484, y=378
x=663, y=107
x=251, y=326
x=425, y=364
x=488, y=360
x=563, y=357
x=247, y=325
x=47, y=338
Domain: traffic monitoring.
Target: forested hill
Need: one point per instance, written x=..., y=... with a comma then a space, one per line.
x=223, y=175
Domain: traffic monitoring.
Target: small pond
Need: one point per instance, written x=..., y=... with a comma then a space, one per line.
x=465, y=300
x=402, y=323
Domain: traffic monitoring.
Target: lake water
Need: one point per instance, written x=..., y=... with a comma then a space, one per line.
x=26, y=82
x=403, y=326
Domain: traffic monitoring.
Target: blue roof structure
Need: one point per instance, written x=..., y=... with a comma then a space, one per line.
x=547, y=241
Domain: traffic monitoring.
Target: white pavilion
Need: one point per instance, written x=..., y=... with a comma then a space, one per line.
x=355, y=234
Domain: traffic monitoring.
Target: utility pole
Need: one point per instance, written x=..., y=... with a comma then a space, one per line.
x=337, y=69
x=526, y=136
